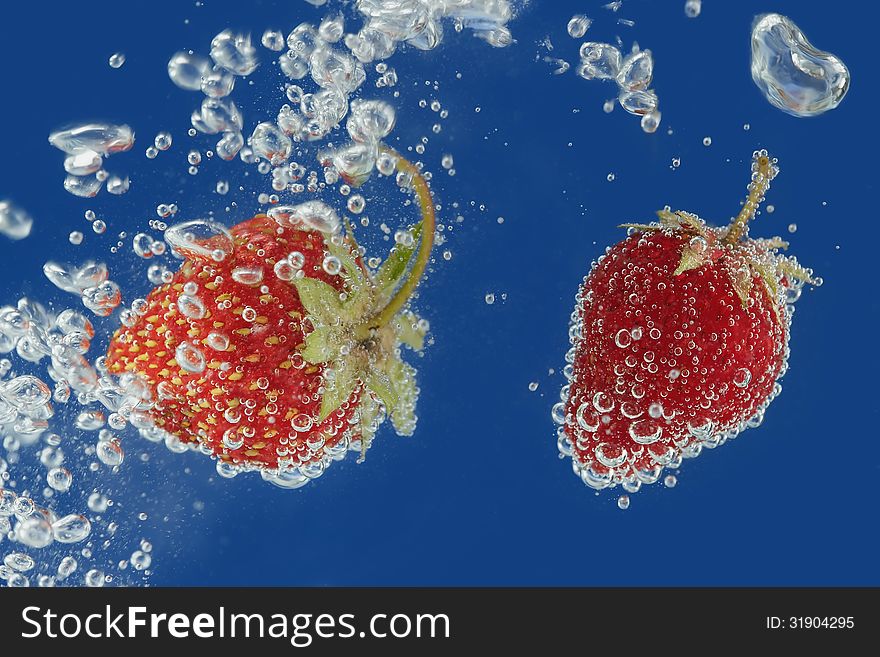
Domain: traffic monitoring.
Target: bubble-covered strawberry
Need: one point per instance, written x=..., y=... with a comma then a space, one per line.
x=274, y=348
x=679, y=338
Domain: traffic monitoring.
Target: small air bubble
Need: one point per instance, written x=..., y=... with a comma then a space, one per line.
x=163, y=141
x=332, y=265
x=578, y=26
x=356, y=204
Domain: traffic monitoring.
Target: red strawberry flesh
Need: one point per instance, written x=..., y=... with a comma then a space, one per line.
x=665, y=359
x=256, y=402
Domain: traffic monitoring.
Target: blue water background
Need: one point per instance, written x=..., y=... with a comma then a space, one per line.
x=478, y=495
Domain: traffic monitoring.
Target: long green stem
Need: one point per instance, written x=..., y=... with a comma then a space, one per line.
x=764, y=170
x=422, y=257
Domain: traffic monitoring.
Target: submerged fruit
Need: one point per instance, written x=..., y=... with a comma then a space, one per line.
x=273, y=348
x=679, y=336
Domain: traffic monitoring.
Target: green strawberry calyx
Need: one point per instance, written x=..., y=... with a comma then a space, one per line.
x=358, y=334
x=745, y=259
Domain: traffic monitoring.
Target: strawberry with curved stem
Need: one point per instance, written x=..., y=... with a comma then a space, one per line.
x=275, y=374
x=679, y=337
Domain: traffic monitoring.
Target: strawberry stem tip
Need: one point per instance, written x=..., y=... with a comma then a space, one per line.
x=423, y=255
x=764, y=169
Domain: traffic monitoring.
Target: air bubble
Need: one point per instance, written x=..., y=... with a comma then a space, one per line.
x=356, y=204
x=651, y=121
x=72, y=528
x=692, y=8
x=792, y=74
x=599, y=60
x=332, y=265
x=742, y=377
x=163, y=141
x=273, y=40
x=59, y=479
x=578, y=26
x=189, y=358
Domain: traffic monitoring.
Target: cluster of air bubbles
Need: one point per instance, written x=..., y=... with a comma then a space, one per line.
x=311, y=215
x=387, y=76
x=146, y=247
x=368, y=123
x=232, y=56
x=90, y=282
x=86, y=146
x=632, y=73
x=330, y=60
x=27, y=404
x=419, y=23
x=311, y=51
x=793, y=75
x=15, y=222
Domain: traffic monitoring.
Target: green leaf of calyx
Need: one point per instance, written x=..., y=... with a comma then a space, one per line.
x=690, y=259
x=380, y=383
x=408, y=330
x=319, y=346
x=403, y=378
x=395, y=266
x=320, y=300
x=349, y=265
x=343, y=384
x=368, y=410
